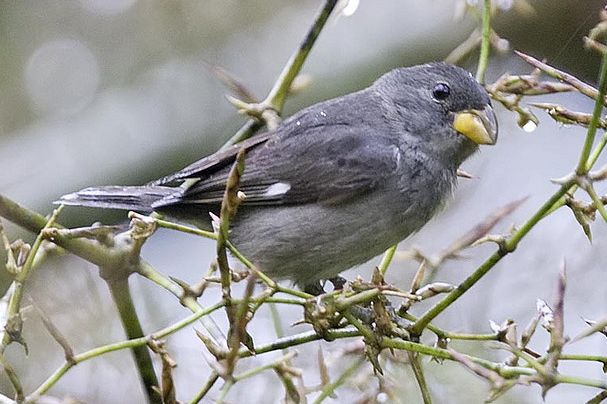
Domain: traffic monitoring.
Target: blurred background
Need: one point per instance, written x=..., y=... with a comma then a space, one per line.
x=118, y=92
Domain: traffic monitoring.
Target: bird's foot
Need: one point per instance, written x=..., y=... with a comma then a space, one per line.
x=317, y=288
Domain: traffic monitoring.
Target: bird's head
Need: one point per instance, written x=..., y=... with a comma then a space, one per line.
x=439, y=108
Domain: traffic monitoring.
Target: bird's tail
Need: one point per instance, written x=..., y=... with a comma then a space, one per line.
x=138, y=198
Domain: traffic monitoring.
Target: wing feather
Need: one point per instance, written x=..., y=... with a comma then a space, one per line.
x=328, y=164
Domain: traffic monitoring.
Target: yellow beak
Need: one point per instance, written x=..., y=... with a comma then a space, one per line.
x=478, y=126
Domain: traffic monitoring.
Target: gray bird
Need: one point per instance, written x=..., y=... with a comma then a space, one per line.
x=337, y=183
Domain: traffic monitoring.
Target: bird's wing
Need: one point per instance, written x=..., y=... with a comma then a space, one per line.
x=213, y=163
x=328, y=164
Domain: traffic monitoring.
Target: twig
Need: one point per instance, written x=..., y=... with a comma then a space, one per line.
x=55, y=333
x=231, y=82
x=87, y=249
x=14, y=303
x=252, y=372
x=386, y=259
x=205, y=389
x=483, y=59
x=418, y=371
x=229, y=205
x=299, y=339
x=121, y=295
x=465, y=48
x=147, y=271
x=237, y=254
x=238, y=327
x=596, y=116
x=594, y=156
x=556, y=200
x=277, y=95
x=590, y=43
x=598, y=202
x=473, y=235
x=599, y=398
x=486, y=266
x=600, y=326
x=582, y=357
x=557, y=338
x=553, y=72
x=131, y=343
x=255, y=371
x=347, y=373
x=13, y=378
x=565, y=116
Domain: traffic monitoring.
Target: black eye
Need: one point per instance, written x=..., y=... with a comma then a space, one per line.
x=441, y=91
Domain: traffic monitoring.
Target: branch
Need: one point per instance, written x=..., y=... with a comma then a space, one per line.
x=553, y=72
x=483, y=59
x=10, y=333
x=130, y=322
x=509, y=246
x=555, y=201
x=131, y=343
x=278, y=94
x=596, y=116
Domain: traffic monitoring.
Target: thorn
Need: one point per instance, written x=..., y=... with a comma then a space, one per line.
x=564, y=180
x=464, y=174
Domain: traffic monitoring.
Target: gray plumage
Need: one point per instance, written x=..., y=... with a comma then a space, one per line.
x=335, y=184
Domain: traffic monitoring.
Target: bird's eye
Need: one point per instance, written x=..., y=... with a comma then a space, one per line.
x=441, y=91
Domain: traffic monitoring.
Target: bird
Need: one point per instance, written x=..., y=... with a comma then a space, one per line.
x=337, y=183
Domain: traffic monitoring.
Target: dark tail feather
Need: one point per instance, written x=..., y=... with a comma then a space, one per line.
x=138, y=198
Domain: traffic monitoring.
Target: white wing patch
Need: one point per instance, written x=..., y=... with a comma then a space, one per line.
x=280, y=188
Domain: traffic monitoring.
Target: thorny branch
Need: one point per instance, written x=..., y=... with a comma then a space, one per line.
x=331, y=315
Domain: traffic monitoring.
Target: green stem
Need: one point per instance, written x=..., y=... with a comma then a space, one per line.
x=331, y=387
x=509, y=246
x=227, y=385
x=592, y=159
x=594, y=156
x=483, y=59
x=130, y=321
x=34, y=222
x=237, y=254
x=131, y=343
x=439, y=353
x=298, y=339
x=14, y=304
x=418, y=371
x=597, y=201
x=501, y=369
x=533, y=363
x=165, y=332
x=255, y=371
x=278, y=94
x=596, y=116
x=273, y=301
x=386, y=259
x=246, y=131
x=365, y=331
x=277, y=322
x=205, y=389
x=358, y=298
x=444, y=334
x=13, y=378
x=149, y=272
x=580, y=381
x=582, y=357
x=184, y=229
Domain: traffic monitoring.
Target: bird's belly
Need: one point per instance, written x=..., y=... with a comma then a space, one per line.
x=300, y=242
